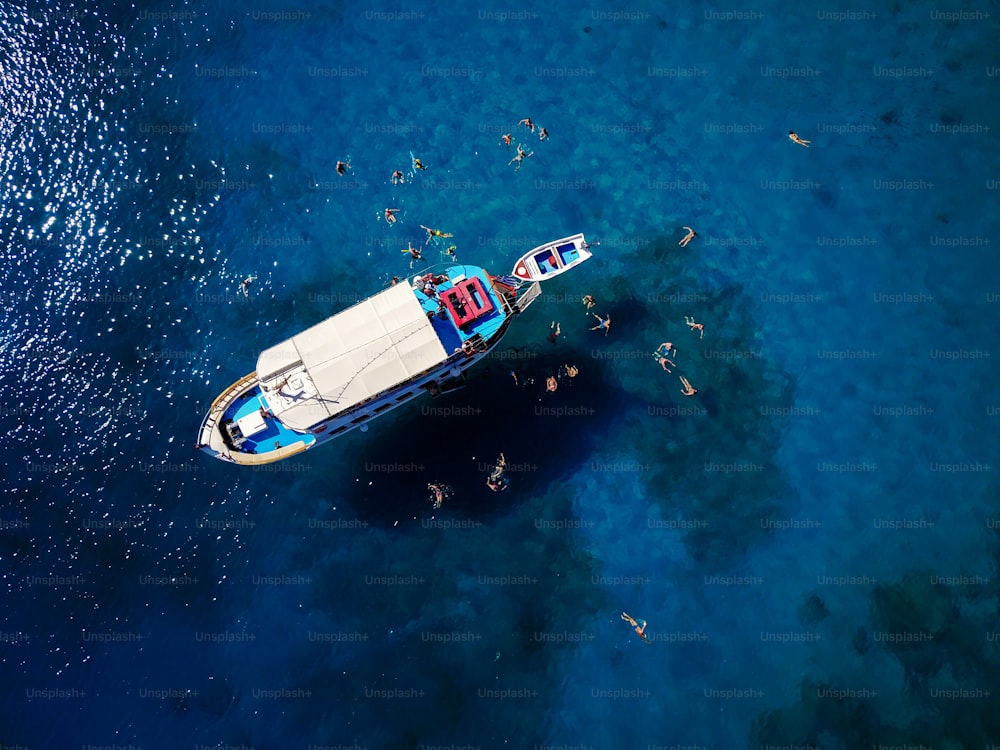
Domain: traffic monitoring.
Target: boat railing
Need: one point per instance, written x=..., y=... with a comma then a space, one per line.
x=220, y=403
x=219, y=406
x=258, y=459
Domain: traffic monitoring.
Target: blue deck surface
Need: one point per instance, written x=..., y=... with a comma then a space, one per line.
x=452, y=337
x=275, y=432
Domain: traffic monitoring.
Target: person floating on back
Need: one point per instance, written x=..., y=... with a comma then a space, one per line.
x=528, y=124
x=688, y=389
x=390, y=215
x=795, y=139
x=691, y=234
x=604, y=323
x=245, y=285
x=700, y=327
x=640, y=630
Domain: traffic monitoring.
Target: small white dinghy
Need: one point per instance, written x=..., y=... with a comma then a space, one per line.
x=552, y=258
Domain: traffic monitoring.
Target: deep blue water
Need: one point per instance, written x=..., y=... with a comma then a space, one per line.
x=812, y=538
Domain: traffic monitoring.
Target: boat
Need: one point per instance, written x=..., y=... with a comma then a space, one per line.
x=413, y=339
x=552, y=259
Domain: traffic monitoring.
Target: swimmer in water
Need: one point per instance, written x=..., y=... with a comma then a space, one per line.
x=414, y=253
x=432, y=233
x=688, y=389
x=662, y=353
x=604, y=323
x=438, y=493
x=691, y=234
x=695, y=326
x=640, y=630
x=794, y=138
x=520, y=157
x=496, y=480
x=342, y=167
x=245, y=285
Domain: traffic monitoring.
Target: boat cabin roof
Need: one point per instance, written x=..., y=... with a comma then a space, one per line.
x=349, y=358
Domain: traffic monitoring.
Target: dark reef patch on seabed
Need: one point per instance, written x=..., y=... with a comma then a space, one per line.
x=944, y=637
x=733, y=439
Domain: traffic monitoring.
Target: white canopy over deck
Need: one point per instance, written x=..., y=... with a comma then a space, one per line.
x=348, y=358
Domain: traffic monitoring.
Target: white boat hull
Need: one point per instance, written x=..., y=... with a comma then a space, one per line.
x=552, y=259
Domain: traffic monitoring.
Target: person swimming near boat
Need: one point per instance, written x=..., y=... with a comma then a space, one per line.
x=662, y=354
x=794, y=138
x=554, y=331
x=417, y=164
x=432, y=233
x=342, y=167
x=439, y=493
x=695, y=326
x=604, y=323
x=414, y=253
x=543, y=134
x=691, y=234
x=520, y=157
x=507, y=139
x=688, y=389
x=640, y=630
x=450, y=252
x=588, y=301
x=245, y=285
x=496, y=480
x=528, y=124
x=398, y=178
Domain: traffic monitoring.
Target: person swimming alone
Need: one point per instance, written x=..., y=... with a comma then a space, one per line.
x=640, y=630
x=496, y=480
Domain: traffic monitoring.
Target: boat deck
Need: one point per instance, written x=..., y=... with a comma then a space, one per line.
x=452, y=337
x=273, y=432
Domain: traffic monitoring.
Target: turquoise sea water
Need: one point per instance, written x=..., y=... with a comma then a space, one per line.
x=811, y=538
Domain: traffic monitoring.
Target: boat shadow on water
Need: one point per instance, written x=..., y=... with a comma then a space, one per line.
x=457, y=438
